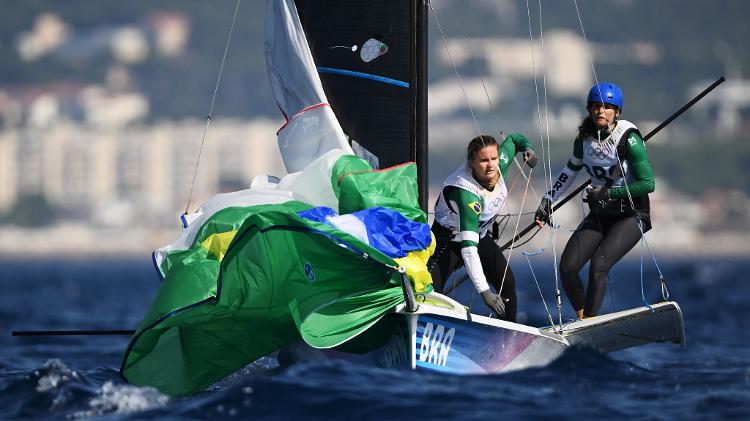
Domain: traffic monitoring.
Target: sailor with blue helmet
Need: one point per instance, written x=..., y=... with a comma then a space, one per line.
x=614, y=155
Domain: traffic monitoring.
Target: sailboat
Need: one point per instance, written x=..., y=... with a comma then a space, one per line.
x=276, y=268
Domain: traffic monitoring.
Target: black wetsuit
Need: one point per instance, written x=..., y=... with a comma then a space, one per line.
x=604, y=240
x=610, y=229
x=447, y=258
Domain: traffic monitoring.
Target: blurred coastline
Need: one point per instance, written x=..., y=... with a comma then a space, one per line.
x=101, y=126
x=109, y=201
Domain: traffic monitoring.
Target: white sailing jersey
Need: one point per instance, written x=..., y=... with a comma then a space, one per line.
x=488, y=204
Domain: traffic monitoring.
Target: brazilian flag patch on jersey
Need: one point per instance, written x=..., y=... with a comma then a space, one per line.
x=476, y=207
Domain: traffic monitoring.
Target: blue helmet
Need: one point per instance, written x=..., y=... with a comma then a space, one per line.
x=606, y=93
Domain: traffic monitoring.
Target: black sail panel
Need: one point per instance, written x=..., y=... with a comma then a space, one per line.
x=370, y=89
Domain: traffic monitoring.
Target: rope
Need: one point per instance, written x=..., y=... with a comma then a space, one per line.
x=211, y=108
x=544, y=301
x=586, y=42
x=643, y=294
x=528, y=254
x=515, y=230
x=665, y=291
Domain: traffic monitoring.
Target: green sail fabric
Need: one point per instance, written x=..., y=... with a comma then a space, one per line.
x=360, y=187
x=210, y=319
x=344, y=319
x=247, y=280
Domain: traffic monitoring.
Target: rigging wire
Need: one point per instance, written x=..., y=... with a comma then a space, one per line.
x=473, y=116
x=591, y=60
x=548, y=167
x=479, y=71
x=546, y=121
x=486, y=93
x=538, y=113
x=497, y=122
x=455, y=69
x=527, y=254
x=460, y=81
x=665, y=292
x=211, y=108
x=588, y=48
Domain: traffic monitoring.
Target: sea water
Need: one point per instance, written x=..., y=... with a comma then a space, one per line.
x=77, y=377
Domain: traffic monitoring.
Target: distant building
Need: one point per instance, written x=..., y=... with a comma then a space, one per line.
x=728, y=106
x=129, y=44
x=48, y=33
x=134, y=174
x=105, y=108
x=504, y=70
x=171, y=31
x=44, y=106
x=166, y=32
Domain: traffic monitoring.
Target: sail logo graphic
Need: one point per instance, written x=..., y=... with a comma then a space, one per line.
x=372, y=49
x=496, y=202
x=309, y=272
x=436, y=344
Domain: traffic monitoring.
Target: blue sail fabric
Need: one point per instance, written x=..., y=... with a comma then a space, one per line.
x=382, y=228
x=318, y=214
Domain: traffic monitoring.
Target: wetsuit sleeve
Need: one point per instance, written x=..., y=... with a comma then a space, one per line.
x=469, y=207
x=513, y=143
x=569, y=172
x=640, y=166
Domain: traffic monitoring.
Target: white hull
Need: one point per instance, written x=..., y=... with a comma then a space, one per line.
x=627, y=328
x=442, y=336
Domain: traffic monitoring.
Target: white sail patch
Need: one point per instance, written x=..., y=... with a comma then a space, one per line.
x=372, y=49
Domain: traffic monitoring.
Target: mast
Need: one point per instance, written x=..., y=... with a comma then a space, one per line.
x=419, y=97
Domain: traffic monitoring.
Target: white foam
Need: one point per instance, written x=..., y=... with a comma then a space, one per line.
x=55, y=374
x=123, y=399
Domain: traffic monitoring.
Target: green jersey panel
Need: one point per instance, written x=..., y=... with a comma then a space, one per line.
x=469, y=207
x=640, y=168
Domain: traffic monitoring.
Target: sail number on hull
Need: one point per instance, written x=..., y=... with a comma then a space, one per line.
x=435, y=344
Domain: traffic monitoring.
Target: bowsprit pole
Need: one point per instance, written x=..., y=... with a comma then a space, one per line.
x=650, y=134
x=78, y=332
